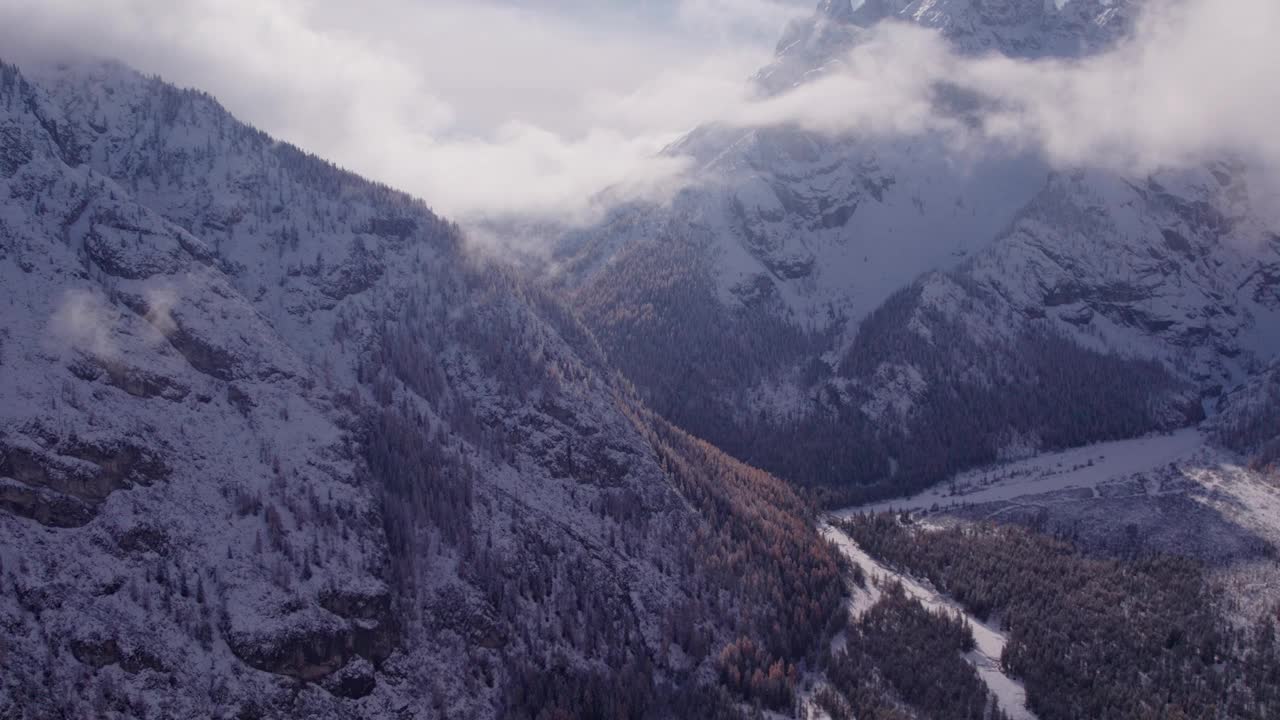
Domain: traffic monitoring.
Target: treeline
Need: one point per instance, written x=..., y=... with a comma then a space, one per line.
x=1090, y=637
x=760, y=562
x=656, y=313
x=976, y=395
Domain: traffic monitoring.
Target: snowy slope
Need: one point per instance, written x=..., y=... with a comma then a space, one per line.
x=1177, y=494
x=163, y=434
x=1178, y=266
x=836, y=224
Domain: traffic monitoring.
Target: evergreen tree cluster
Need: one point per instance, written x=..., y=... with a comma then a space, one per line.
x=1094, y=637
x=761, y=591
x=898, y=652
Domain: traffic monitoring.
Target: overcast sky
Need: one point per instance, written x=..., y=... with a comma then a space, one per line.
x=484, y=106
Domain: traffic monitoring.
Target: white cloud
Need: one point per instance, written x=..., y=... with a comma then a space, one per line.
x=1195, y=83
x=85, y=321
x=487, y=106
x=763, y=19
x=161, y=300
x=479, y=107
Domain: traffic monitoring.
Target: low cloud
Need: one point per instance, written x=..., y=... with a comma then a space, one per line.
x=160, y=303
x=479, y=106
x=486, y=107
x=1196, y=82
x=1192, y=85
x=84, y=321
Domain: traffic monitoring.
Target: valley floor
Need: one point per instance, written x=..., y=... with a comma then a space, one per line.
x=1174, y=493
x=1082, y=467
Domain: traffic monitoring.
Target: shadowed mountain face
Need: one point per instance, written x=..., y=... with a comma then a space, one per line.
x=272, y=444
x=882, y=302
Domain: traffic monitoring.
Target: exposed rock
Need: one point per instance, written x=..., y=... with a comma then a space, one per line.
x=96, y=653
x=103, y=467
x=144, y=384
x=62, y=483
x=136, y=381
x=354, y=275
x=306, y=651
x=143, y=539
x=120, y=251
x=203, y=355
x=373, y=624
x=43, y=505
x=454, y=610
x=355, y=680
x=139, y=659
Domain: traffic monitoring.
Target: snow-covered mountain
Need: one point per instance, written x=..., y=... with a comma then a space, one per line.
x=819, y=272
x=274, y=444
x=1016, y=28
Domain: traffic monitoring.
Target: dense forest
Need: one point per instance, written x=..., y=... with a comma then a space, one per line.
x=761, y=592
x=759, y=563
x=1141, y=637
x=900, y=655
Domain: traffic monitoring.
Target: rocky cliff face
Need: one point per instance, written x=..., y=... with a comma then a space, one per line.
x=272, y=443
x=1176, y=266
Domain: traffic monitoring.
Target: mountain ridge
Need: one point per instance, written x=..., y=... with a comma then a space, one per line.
x=274, y=441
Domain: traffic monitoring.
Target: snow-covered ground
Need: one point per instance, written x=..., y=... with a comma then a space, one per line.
x=990, y=641
x=1087, y=466
x=1251, y=499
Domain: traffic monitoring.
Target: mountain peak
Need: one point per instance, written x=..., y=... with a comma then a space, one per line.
x=836, y=9
x=856, y=12
x=1014, y=28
